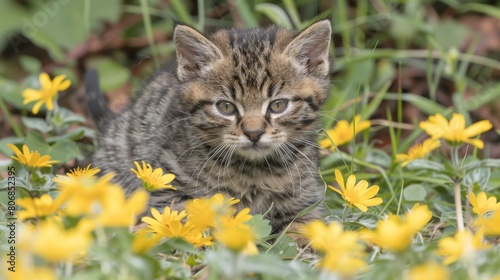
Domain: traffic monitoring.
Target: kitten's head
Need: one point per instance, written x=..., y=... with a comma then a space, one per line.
x=254, y=91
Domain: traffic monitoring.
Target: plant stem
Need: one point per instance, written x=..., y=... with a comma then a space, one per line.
x=8, y=116
x=458, y=207
x=468, y=214
x=458, y=196
x=149, y=31
x=344, y=213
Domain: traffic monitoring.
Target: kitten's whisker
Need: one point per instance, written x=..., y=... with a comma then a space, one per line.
x=216, y=162
x=211, y=153
x=288, y=144
x=228, y=162
x=327, y=116
x=308, y=142
x=285, y=163
x=169, y=124
x=194, y=147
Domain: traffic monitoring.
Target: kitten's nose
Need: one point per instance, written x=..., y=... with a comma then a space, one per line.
x=253, y=135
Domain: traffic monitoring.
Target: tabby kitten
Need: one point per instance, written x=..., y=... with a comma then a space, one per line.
x=238, y=116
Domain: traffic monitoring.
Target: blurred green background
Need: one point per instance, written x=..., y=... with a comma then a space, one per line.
x=440, y=55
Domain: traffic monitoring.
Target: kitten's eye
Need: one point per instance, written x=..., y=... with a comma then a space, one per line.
x=226, y=108
x=278, y=106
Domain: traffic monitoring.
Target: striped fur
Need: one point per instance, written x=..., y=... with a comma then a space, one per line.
x=176, y=125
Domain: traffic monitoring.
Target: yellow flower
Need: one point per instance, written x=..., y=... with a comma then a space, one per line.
x=77, y=173
x=357, y=194
x=455, y=131
x=32, y=160
x=160, y=223
x=395, y=234
x=343, y=132
x=84, y=195
x=232, y=231
x=482, y=204
x=417, y=217
x=26, y=270
x=236, y=221
x=37, y=207
x=47, y=93
x=153, y=180
x=490, y=225
x=330, y=237
x=144, y=241
x=120, y=212
x=54, y=243
x=202, y=212
x=343, y=253
x=428, y=271
x=463, y=245
x=237, y=239
x=418, y=151
x=169, y=224
x=344, y=263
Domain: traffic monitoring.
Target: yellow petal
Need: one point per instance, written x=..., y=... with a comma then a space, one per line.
x=45, y=81
x=49, y=104
x=371, y=192
x=340, y=180
x=335, y=190
x=351, y=181
x=361, y=207
x=36, y=107
x=478, y=128
x=373, y=201
x=60, y=83
x=472, y=199
x=475, y=142
x=156, y=214
x=30, y=95
x=457, y=122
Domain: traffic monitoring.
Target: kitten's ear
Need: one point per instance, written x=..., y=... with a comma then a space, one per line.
x=310, y=48
x=195, y=53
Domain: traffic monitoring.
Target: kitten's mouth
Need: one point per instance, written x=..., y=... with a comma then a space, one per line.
x=255, y=150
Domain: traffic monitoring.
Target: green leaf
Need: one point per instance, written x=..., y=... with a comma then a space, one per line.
x=275, y=13
x=378, y=157
x=419, y=164
x=361, y=72
x=111, y=74
x=36, y=124
x=11, y=15
x=486, y=96
x=489, y=162
x=74, y=135
x=35, y=141
x=67, y=116
x=62, y=151
x=65, y=151
x=260, y=226
x=480, y=176
x=481, y=8
x=44, y=40
x=246, y=13
x=30, y=64
x=286, y=248
x=427, y=106
x=450, y=33
x=10, y=91
x=64, y=25
x=40, y=182
x=415, y=192
x=175, y=244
